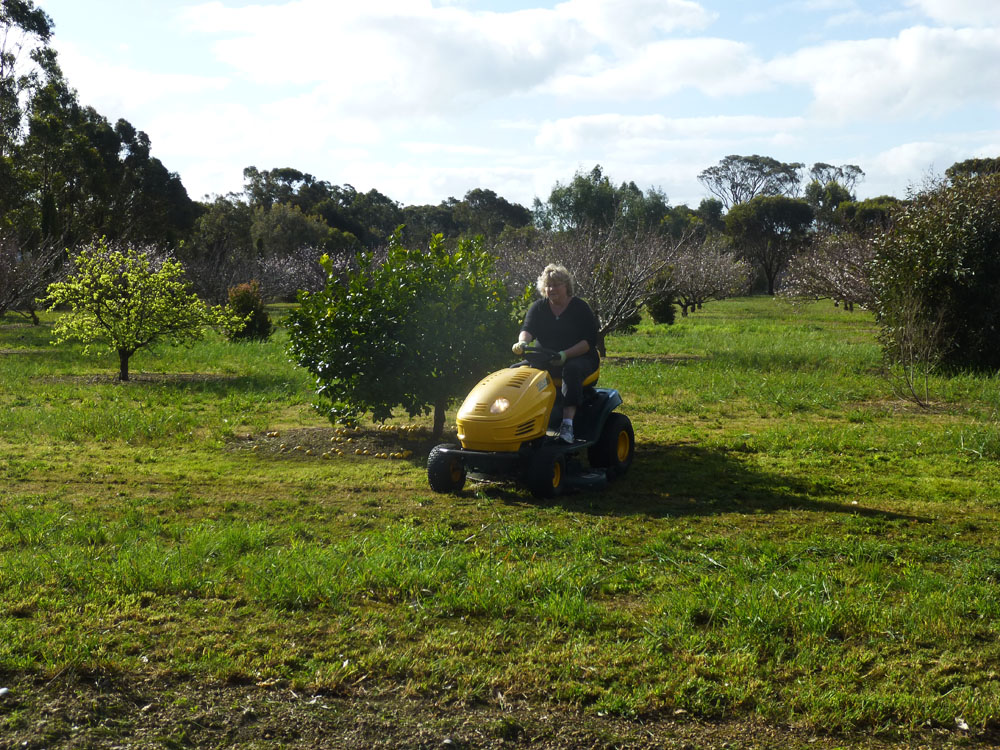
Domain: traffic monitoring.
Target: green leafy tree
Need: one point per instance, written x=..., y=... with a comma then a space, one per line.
x=125, y=300
x=24, y=33
x=846, y=175
x=483, y=212
x=825, y=199
x=420, y=223
x=590, y=201
x=698, y=223
x=767, y=231
x=283, y=185
x=377, y=214
x=415, y=331
x=90, y=179
x=869, y=216
x=740, y=179
x=284, y=228
x=973, y=168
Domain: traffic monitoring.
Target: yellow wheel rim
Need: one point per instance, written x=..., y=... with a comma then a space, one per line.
x=556, y=475
x=456, y=471
x=624, y=446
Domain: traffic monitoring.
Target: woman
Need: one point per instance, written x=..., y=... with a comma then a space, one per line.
x=564, y=323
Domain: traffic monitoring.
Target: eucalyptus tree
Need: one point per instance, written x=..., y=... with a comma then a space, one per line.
x=590, y=200
x=767, y=231
x=25, y=31
x=740, y=179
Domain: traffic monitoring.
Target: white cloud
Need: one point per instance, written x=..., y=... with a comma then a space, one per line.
x=425, y=148
x=115, y=89
x=394, y=57
x=387, y=56
x=960, y=12
x=626, y=23
x=914, y=162
x=717, y=67
x=909, y=166
x=923, y=71
x=659, y=132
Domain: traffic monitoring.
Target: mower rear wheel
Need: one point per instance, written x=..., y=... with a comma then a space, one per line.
x=615, y=448
x=445, y=471
x=546, y=475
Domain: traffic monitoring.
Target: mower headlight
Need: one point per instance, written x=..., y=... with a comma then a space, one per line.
x=499, y=406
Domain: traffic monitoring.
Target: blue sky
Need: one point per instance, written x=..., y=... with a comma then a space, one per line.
x=426, y=99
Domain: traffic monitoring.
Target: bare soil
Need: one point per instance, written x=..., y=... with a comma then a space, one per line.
x=73, y=710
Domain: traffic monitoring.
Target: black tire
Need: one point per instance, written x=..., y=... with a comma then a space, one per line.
x=615, y=448
x=445, y=471
x=546, y=475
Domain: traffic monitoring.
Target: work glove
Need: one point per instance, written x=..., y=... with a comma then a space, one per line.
x=559, y=360
x=519, y=348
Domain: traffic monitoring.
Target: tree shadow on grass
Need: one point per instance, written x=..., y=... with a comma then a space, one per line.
x=691, y=480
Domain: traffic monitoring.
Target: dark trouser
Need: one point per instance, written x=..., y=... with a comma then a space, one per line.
x=574, y=372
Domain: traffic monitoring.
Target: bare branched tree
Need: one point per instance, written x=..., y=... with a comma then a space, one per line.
x=24, y=274
x=282, y=276
x=708, y=271
x=212, y=275
x=837, y=267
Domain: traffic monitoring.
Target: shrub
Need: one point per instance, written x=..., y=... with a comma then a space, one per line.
x=940, y=265
x=245, y=301
x=662, y=309
x=415, y=331
x=660, y=304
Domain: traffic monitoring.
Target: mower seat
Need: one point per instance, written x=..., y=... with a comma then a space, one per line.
x=590, y=380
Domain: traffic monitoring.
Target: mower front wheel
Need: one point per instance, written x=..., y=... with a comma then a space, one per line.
x=445, y=471
x=546, y=475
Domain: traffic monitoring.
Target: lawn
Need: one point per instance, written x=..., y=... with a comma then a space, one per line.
x=795, y=549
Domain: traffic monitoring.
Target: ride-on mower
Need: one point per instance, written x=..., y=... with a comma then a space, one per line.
x=507, y=427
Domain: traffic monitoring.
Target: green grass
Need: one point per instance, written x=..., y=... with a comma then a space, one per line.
x=793, y=542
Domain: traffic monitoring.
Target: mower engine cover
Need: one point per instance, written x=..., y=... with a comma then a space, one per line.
x=505, y=409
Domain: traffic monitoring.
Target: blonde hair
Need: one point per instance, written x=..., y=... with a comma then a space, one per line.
x=557, y=273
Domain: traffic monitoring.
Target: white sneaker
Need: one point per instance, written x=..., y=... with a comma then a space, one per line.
x=566, y=432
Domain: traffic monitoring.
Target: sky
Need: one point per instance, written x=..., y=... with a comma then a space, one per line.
x=427, y=99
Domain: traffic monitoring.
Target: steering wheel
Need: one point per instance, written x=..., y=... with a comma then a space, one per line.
x=539, y=357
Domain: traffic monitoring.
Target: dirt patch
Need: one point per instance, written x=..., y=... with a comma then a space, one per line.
x=392, y=442
x=120, y=711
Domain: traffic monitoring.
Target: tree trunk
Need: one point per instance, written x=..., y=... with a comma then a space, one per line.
x=123, y=357
x=770, y=282
x=439, y=415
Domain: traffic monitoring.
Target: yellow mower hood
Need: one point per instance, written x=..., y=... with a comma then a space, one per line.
x=505, y=409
